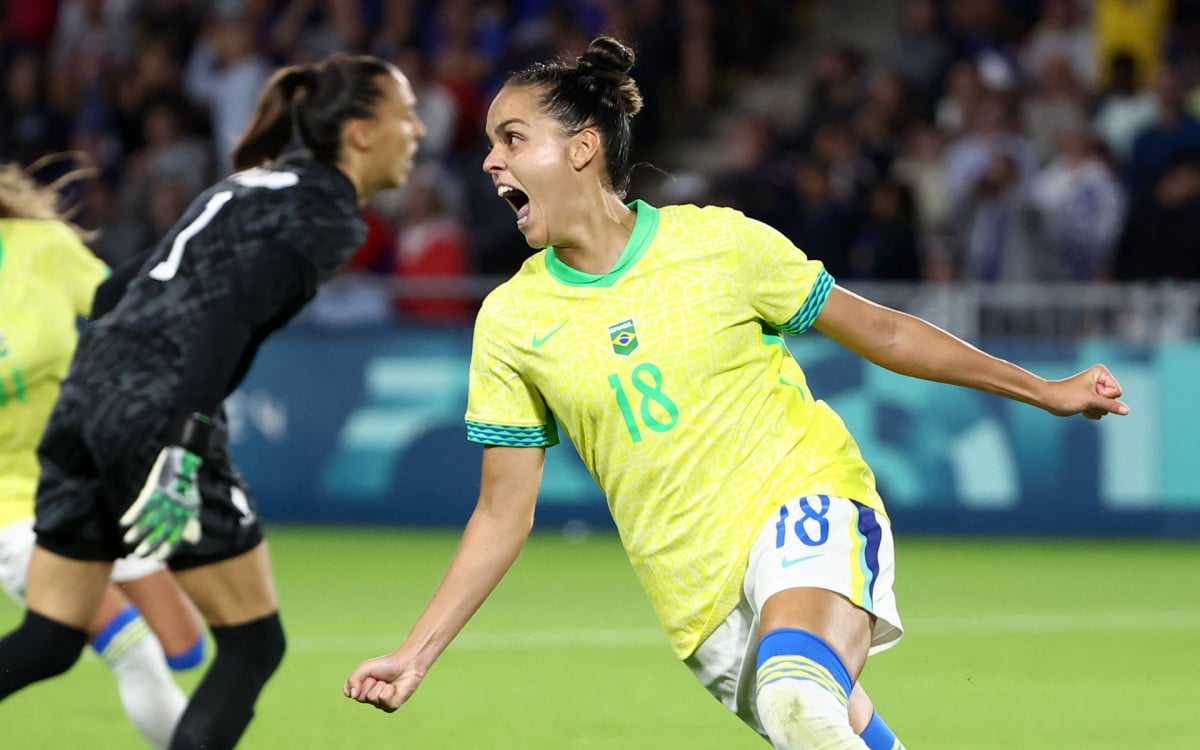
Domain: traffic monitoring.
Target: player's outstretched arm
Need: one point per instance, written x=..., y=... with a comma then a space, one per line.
x=491, y=542
x=911, y=346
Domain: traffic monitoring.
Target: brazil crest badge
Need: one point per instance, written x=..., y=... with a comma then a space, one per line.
x=624, y=337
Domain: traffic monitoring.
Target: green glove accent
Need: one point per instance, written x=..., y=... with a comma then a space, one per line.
x=167, y=511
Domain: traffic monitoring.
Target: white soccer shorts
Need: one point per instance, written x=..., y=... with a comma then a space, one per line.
x=817, y=541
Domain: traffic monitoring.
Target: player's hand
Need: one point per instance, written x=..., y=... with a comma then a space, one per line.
x=1092, y=393
x=167, y=511
x=385, y=682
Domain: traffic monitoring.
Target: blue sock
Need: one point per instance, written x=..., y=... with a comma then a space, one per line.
x=116, y=635
x=789, y=653
x=879, y=736
x=189, y=659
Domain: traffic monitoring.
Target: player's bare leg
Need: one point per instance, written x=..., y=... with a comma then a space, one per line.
x=861, y=708
x=65, y=590
x=237, y=597
x=171, y=615
x=233, y=591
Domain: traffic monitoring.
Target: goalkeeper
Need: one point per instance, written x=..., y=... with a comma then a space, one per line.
x=138, y=415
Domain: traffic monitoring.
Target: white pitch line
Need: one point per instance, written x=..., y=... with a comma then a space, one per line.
x=511, y=641
x=999, y=624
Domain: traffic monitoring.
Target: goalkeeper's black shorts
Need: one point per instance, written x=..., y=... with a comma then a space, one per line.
x=95, y=455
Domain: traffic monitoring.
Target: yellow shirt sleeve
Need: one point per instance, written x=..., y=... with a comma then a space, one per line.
x=503, y=408
x=77, y=267
x=783, y=285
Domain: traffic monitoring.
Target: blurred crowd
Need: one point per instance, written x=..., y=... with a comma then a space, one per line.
x=155, y=93
x=985, y=140
x=992, y=141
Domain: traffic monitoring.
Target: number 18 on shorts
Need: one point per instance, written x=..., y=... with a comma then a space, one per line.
x=828, y=542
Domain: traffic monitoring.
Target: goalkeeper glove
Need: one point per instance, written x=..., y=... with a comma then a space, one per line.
x=167, y=510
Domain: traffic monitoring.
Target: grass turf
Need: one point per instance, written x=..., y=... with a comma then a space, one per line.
x=1010, y=644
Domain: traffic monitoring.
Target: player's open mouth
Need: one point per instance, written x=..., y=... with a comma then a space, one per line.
x=518, y=200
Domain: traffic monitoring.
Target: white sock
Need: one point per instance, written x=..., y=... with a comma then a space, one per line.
x=805, y=715
x=149, y=695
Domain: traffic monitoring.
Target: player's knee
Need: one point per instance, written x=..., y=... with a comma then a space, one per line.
x=191, y=657
x=803, y=693
x=42, y=648
x=223, y=704
x=257, y=647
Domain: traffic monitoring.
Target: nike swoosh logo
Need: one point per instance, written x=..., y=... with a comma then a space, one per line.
x=790, y=561
x=539, y=340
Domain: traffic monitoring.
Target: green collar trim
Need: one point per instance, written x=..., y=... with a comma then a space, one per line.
x=645, y=226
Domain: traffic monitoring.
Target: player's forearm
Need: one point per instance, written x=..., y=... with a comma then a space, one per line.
x=490, y=544
x=921, y=350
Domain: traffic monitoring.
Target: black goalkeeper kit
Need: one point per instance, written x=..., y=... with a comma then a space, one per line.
x=172, y=336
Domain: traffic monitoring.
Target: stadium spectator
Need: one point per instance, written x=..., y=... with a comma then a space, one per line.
x=1137, y=28
x=696, y=54
x=890, y=109
x=1125, y=110
x=118, y=235
x=836, y=147
x=1173, y=136
x=885, y=248
x=1161, y=239
x=835, y=90
x=1061, y=32
x=431, y=245
x=978, y=30
x=920, y=53
x=993, y=131
x=997, y=233
x=822, y=223
x=920, y=167
x=30, y=127
x=753, y=180
x=436, y=104
x=225, y=73
x=1080, y=207
x=168, y=155
x=1057, y=104
x=963, y=91
x=92, y=40
x=30, y=23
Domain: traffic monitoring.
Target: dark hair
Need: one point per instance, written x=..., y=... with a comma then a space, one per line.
x=311, y=102
x=596, y=91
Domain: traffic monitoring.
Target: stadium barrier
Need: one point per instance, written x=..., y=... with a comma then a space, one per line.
x=366, y=426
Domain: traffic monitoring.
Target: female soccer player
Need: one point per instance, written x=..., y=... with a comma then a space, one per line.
x=48, y=278
x=138, y=414
x=652, y=336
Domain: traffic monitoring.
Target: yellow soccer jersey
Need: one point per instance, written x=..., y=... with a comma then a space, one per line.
x=47, y=280
x=670, y=377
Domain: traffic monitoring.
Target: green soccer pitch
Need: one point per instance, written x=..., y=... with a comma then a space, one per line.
x=1010, y=644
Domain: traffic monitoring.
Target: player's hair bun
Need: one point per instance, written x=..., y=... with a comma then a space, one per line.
x=606, y=55
x=608, y=58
